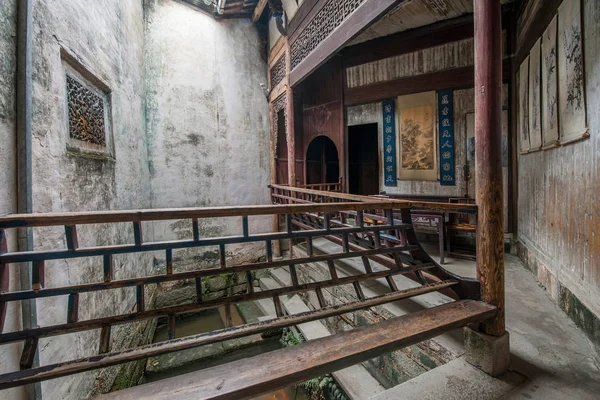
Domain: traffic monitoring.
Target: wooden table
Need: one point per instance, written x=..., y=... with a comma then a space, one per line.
x=431, y=222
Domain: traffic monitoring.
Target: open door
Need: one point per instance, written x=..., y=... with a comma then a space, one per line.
x=363, y=160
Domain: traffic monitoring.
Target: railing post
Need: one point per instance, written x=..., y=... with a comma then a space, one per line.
x=488, y=349
x=291, y=141
x=4, y=278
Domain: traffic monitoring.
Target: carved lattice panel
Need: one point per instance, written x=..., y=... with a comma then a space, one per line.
x=87, y=117
x=279, y=104
x=326, y=21
x=278, y=72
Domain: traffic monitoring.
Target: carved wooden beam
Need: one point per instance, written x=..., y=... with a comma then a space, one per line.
x=359, y=20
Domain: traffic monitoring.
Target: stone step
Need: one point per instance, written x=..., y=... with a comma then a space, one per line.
x=281, y=276
x=266, y=306
x=454, y=380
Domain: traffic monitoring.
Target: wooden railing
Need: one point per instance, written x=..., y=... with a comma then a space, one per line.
x=400, y=214
x=366, y=228
x=325, y=187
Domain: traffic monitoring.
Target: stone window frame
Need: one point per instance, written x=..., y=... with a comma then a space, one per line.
x=73, y=68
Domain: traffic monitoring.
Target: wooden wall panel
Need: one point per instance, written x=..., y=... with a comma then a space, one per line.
x=559, y=212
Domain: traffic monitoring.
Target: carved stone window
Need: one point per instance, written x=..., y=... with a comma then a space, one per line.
x=87, y=113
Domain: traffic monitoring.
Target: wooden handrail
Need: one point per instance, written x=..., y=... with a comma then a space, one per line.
x=101, y=217
x=399, y=204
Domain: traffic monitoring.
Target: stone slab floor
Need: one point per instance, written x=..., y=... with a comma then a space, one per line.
x=546, y=346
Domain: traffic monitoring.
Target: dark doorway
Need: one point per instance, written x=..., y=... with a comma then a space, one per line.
x=322, y=161
x=363, y=159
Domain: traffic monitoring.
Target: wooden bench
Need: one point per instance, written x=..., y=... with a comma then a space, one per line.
x=281, y=368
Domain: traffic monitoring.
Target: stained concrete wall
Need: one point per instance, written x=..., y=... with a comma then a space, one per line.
x=208, y=120
x=106, y=38
x=559, y=216
x=9, y=355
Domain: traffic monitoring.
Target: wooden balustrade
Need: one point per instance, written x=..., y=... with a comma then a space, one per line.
x=325, y=187
x=368, y=229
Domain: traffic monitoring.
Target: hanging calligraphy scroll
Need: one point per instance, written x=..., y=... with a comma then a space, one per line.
x=571, y=75
x=446, y=132
x=550, y=86
x=523, y=83
x=389, y=143
x=535, y=92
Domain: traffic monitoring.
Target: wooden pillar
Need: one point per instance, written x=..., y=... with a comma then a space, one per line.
x=290, y=133
x=488, y=159
x=291, y=138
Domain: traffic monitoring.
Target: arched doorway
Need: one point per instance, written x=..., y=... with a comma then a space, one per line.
x=322, y=161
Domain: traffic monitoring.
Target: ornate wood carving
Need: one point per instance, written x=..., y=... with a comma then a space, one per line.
x=277, y=72
x=320, y=27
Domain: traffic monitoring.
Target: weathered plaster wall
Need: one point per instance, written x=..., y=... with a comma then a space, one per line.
x=559, y=215
x=9, y=355
x=107, y=38
x=208, y=121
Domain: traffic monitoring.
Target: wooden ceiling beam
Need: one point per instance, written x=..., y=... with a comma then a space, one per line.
x=408, y=41
x=258, y=11
x=415, y=39
x=455, y=78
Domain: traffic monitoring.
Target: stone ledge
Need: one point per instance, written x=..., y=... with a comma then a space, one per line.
x=583, y=317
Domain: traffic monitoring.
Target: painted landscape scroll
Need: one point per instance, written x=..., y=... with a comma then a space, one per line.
x=417, y=136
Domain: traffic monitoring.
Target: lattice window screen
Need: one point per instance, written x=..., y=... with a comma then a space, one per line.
x=87, y=116
x=278, y=72
x=279, y=104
